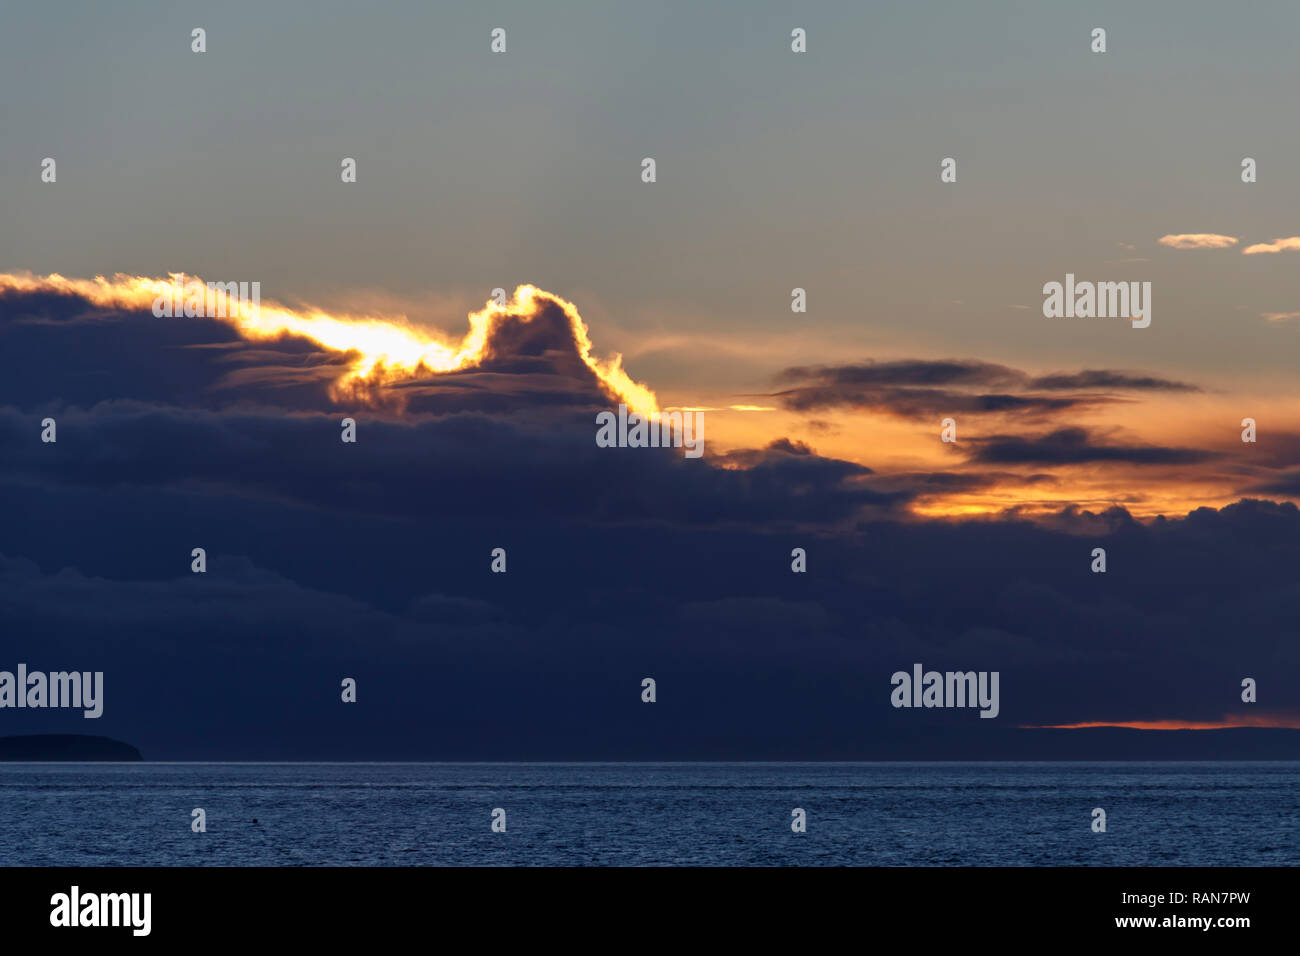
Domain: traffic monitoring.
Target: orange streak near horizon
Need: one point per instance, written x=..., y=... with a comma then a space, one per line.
x=387, y=349
x=1173, y=723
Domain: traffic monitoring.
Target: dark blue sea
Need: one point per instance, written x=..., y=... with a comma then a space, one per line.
x=860, y=814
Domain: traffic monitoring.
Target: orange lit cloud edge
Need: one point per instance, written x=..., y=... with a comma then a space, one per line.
x=384, y=350
x=387, y=350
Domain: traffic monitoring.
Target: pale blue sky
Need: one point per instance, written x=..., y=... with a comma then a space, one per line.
x=775, y=170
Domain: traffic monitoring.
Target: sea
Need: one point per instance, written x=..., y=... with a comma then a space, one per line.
x=650, y=814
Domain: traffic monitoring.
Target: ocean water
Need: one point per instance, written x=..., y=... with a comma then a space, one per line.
x=874, y=814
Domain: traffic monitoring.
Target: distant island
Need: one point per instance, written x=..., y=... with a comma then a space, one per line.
x=66, y=747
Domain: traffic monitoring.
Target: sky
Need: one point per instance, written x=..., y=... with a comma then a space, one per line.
x=775, y=170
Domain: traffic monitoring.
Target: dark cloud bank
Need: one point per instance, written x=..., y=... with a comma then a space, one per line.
x=372, y=560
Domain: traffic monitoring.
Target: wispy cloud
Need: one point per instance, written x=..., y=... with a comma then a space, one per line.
x=1197, y=240
x=1280, y=316
x=1108, y=378
x=919, y=387
x=1291, y=243
x=1076, y=446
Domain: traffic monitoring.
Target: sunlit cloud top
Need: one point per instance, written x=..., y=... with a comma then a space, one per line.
x=1197, y=240
x=386, y=350
x=1289, y=244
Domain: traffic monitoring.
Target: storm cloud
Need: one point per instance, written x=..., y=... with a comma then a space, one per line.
x=372, y=561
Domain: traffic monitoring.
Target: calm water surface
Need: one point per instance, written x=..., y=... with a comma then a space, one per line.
x=880, y=814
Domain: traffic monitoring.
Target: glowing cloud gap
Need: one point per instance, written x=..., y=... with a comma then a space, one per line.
x=388, y=350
